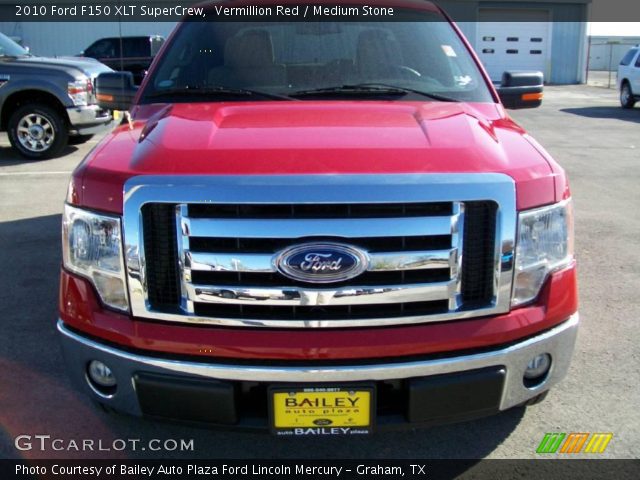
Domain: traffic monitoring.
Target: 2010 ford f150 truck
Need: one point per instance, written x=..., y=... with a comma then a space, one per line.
x=318, y=228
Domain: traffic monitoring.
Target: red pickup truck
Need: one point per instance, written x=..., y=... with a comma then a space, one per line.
x=318, y=227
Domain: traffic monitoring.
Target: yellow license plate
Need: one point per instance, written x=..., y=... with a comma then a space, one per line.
x=327, y=410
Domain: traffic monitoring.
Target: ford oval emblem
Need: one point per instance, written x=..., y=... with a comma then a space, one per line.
x=322, y=422
x=321, y=262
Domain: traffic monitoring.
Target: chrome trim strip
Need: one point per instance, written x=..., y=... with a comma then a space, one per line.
x=559, y=342
x=457, y=240
x=231, y=262
x=324, y=227
x=323, y=189
x=299, y=297
x=378, y=262
x=184, y=264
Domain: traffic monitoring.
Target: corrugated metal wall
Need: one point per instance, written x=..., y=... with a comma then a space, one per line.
x=568, y=52
x=569, y=49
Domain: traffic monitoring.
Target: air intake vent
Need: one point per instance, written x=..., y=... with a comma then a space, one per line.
x=479, y=254
x=159, y=223
x=343, y=210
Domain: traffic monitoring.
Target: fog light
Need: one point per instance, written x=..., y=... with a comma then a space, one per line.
x=101, y=375
x=538, y=366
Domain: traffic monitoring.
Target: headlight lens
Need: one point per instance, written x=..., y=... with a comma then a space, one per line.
x=92, y=247
x=79, y=92
x=545, y=244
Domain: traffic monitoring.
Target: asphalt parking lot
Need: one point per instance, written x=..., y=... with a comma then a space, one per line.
x=583, y=128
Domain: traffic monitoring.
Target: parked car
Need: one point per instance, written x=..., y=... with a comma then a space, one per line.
x=392, y=247
x=127, y=54
x=46, y=103
x=629, y=78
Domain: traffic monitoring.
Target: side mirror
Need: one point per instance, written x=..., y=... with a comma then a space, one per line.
x=115, y=90
x=521, y=89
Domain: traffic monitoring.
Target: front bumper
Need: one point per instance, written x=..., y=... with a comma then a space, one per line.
x=145, y=381
x=88, y=119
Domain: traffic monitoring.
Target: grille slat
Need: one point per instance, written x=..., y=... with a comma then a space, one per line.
x=298, y=296
x=315, y=227
x=252, y=262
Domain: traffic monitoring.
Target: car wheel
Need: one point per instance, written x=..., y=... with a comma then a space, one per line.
x=37, y=131
x=79, y=139
x=626, y=96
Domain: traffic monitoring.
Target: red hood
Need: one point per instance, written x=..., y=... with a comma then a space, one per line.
x=315, y=138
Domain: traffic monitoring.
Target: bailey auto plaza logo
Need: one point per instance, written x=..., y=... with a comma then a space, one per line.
x=574, y=443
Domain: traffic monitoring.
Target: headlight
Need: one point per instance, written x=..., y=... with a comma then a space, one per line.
x=545, y=244
x=92, y=247
x=79, y=92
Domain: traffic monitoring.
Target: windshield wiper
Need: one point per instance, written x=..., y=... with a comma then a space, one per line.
x=214, y=91
x=368, y=89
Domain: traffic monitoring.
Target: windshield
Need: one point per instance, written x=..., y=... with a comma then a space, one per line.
x=426, y=59
x=9, y=48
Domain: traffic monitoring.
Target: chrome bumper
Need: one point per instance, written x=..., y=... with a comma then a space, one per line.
x=88, y=119
x=558, y=342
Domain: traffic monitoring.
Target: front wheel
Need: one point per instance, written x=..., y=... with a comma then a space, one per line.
x=626, y=96
x=37, y=131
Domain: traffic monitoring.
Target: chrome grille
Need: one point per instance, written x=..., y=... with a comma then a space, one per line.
x=206, y=283
x=222, y=264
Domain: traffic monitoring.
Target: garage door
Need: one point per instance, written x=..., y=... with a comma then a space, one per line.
x=508, y=45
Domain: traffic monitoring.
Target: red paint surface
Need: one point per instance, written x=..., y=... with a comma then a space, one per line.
x=316, y=137
x=81, y=310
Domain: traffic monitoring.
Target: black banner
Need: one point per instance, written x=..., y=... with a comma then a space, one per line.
x=324, y=469
x=367, y=10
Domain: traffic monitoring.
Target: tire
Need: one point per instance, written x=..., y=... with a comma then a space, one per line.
x=37, y=131
x=79, y=139
x=535, y=400
x=626, y=96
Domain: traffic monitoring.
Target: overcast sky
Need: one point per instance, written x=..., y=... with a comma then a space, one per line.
x=626, y=29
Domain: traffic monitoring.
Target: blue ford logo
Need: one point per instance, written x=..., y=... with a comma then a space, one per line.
x=321, y=262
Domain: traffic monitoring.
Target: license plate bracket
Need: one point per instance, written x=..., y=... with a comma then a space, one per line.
x=322, y=409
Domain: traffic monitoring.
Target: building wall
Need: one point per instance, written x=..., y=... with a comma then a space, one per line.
x=606, y=52
x=569, y=46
